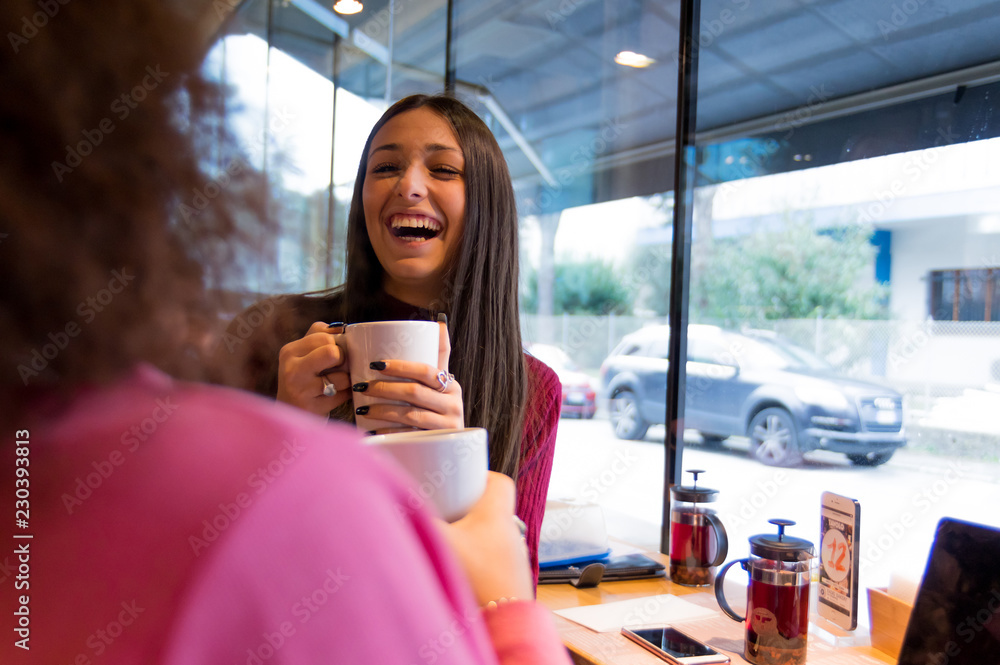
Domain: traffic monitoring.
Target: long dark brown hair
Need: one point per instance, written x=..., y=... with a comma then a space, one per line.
x=481, y=288
x=110, y=210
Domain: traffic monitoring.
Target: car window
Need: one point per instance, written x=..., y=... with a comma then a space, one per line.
x=659, y=348
x=552, y=356
x=774, y=354
x=709, y=350
x=807, y=358
x=626, y=348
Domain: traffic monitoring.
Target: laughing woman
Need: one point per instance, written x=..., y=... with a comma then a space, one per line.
x=432, y=231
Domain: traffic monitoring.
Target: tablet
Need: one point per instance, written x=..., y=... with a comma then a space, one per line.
x=956, y=615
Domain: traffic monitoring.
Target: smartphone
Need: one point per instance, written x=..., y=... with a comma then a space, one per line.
x=673, y=646
x=840, y=524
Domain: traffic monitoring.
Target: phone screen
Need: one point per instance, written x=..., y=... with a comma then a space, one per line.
x=674, y=642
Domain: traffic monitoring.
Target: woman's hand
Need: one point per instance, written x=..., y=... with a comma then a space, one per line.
x=306, y=365
x=427, y=406
x=489, y=544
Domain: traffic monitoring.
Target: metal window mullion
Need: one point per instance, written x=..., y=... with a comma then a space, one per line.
x=680, y=269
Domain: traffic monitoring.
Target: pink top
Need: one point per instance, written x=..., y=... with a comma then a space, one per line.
x=191, y=524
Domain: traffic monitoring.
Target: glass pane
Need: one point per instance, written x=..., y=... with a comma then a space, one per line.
x=833, y=215
x=589, y=145
x=993, y=288
x=303, y=106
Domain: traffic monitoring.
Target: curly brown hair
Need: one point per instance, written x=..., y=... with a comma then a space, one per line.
x=120, y=192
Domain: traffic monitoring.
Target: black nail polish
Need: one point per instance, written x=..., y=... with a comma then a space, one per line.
x=370, y=432
x=361, y=411
x=338, y=324
x=443, y=318
x=377, y=365
x=360, y=387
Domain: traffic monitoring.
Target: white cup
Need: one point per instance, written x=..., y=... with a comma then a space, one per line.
x=385, y=340
x=448, y=466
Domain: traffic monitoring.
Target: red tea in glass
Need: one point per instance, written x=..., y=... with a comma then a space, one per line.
x=777, y=620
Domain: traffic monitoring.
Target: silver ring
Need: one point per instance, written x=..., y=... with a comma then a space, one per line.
x=444, y=379
x=328, y=388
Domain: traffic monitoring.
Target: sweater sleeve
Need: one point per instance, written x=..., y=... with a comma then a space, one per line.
x=523, y=633
x=538, y=445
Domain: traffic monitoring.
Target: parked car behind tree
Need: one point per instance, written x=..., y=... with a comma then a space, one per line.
x=785, y=399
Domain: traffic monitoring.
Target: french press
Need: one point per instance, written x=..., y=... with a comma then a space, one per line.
x=698, y=540
x=777, y=619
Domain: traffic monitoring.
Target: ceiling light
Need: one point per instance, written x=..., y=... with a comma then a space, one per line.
x=348, y=6
x=633, y=59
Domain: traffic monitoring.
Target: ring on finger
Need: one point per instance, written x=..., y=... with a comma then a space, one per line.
x=328, y=388
x=444, y=379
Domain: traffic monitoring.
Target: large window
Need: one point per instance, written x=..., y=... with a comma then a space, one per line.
x=308, y=85
x=841, y=223
x=839, y=291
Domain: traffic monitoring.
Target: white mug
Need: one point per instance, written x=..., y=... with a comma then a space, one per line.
x=385, y=340
x=448, y=466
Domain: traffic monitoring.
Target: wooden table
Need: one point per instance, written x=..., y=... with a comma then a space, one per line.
x=592, y=648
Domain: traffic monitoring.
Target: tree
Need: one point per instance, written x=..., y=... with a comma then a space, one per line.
x=649, y=270
x=582, y=287
x=789, y=273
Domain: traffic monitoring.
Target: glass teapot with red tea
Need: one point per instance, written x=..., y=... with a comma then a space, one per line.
x=777, y=619
x=698, y=541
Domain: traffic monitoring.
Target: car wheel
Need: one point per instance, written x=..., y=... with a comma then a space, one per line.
x=773, y=439
x=625, y=418
x=871, y=459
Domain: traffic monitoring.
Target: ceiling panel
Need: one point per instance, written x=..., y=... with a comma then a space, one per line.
x=548, y=63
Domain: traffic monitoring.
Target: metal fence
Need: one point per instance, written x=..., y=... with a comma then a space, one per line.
x=949, y=372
